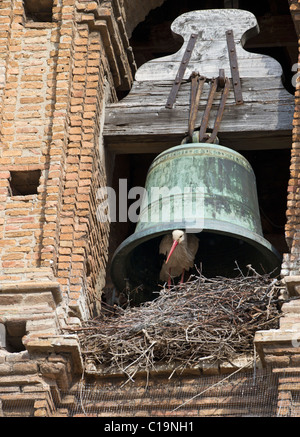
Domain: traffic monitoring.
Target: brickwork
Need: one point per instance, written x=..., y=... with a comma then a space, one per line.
x=25, y=123
x=185, y=394
x=84, y=171
x=32, y=382
x=281, y=354
x=291, y=261
x=55, y=78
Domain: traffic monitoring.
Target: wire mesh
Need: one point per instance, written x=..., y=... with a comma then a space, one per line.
x=253, y=394
x=240, y=395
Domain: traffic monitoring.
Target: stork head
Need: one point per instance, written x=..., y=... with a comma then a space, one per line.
x=178, y=237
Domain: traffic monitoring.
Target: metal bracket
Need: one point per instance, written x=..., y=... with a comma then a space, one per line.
x=197, y=83
x=219, y=116
x=205, y=117
x=220, y=83
x=221, y=79
x=178, y=79
x=237, y=88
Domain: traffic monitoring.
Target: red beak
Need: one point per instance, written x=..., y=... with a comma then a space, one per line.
x=172, y=250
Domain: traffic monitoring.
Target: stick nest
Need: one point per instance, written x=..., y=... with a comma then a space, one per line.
x=203, y=318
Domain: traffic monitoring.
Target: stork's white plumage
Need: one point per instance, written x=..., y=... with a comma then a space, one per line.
x=180, y=249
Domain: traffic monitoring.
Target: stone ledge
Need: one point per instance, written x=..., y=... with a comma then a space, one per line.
x=204, y=368
x=292, y=284
x=41, y=25
x=276, y=336
x=33, y=287
x=60, y=344
x=279, y=338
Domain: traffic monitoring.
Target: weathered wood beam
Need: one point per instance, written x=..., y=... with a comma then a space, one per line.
x=140, y=123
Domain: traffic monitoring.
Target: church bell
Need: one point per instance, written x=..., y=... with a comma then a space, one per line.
x=205, y=189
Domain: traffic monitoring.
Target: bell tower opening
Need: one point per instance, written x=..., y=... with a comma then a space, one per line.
x=269, y=159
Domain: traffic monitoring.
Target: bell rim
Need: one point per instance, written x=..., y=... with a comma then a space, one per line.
x=210, y=226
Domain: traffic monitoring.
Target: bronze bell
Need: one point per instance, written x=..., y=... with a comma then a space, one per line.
x=211, y=192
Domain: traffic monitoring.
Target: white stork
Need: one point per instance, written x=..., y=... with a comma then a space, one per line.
x=180, y=250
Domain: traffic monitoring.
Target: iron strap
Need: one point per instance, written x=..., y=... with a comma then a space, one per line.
x=237, y=88
x=205, y=118
x=197, y=83
x=185, y=60
x=219, y=116
x=220, y=83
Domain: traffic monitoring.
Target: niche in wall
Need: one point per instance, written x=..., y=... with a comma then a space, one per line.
x=23, y=183
x=38, y=11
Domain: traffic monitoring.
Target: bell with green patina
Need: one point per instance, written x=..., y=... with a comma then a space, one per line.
x=210, y=191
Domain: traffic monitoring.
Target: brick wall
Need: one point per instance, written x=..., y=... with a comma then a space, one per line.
x=77, y=267
x=291, y=262
x=31, y=381
x=185, y=394
x=26, y=103
x=55, y=78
